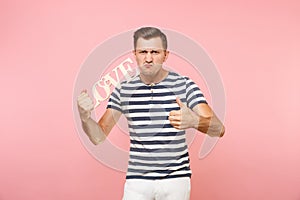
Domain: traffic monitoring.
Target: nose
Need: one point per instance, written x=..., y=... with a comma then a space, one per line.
x=148, y=57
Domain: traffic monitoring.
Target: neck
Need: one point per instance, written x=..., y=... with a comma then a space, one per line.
x=161, y=75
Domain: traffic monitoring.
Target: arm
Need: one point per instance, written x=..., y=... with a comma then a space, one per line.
x=97, y=132
x=208, y=122
x=201, y=118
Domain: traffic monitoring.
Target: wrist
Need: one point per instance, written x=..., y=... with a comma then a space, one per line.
x=195, y=121
x=85, y=119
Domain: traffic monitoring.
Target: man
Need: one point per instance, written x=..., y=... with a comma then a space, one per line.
x=159, y=105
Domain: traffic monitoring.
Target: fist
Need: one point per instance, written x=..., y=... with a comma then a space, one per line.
x=85, y=105
x=183, y=118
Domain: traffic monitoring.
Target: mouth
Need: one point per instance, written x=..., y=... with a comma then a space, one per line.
x=148, y=65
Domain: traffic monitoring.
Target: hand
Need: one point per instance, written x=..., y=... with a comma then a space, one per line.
x=183, y=118
x=85, y=105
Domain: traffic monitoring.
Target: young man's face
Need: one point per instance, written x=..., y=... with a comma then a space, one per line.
x=150, y=55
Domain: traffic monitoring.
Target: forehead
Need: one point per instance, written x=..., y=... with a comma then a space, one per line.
x=152, y=43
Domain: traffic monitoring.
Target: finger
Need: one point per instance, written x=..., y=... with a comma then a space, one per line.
x=175, y=118
x=179, y=102
x=175, y=113
x=90, y=107
x=175, y=123
x=177, y=127
x=87, y=107
x=82, y=95
x=84, y=101
x=83, y=91
x=86, y=104
x=87, y=100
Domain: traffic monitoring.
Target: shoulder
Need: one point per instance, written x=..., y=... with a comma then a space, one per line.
x=175, y=77
x=180, y=79
x=129, y=84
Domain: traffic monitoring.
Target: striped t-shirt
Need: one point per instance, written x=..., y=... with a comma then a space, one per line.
x=157, y=149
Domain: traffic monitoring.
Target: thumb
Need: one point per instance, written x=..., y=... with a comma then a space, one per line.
x=179, y=102
x=83, y=91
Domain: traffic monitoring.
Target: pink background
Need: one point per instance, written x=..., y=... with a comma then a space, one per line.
x=255, y=46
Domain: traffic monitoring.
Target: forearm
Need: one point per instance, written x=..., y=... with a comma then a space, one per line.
x=216, y=127
x=211, y=126
x=93, y=131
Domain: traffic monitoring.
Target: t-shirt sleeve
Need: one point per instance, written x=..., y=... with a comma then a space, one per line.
x=114, y=101
x=194, y=96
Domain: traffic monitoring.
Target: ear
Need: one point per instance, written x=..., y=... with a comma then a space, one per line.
x=134, y=52
x=166, y=55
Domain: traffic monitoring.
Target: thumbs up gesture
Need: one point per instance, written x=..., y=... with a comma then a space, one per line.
x=183, y=118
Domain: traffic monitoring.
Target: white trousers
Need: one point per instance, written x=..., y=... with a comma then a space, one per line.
x=165, y=189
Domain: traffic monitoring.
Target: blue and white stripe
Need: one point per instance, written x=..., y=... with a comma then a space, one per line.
x=157, y=149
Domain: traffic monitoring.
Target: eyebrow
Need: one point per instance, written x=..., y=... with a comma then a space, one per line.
x=149, y=49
